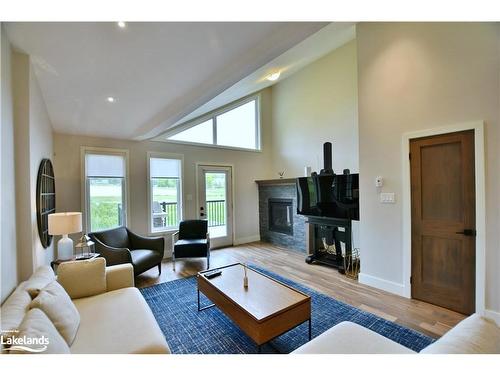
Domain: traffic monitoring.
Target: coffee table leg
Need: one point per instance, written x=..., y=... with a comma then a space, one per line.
x=205, y=307
x=310, y=330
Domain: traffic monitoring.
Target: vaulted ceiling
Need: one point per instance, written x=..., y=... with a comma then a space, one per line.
x=158, y=73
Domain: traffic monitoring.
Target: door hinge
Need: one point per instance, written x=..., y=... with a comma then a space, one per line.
x=411, y=279
x=409, y=156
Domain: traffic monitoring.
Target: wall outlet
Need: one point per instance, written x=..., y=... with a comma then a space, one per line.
x=387, y=198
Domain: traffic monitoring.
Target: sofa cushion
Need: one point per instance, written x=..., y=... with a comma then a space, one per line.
x=56, y=304
x=37, y=326
x=83, y=278
x=119, y=321
x=145, y=258
x=13, y=310
x=351, y=338
x=42, y=277
x=191, y=248
x=473, y=335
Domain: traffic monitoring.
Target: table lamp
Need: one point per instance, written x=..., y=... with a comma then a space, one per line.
x=62, y=224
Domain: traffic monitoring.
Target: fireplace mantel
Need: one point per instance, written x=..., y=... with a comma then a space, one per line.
x=277, y=181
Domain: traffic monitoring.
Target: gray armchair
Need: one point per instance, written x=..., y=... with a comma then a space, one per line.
x=120, y=245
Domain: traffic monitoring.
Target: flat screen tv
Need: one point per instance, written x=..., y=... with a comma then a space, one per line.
x=331, y=195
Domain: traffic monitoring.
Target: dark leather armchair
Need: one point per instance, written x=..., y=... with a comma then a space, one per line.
x=120, y=245
x=191, y=241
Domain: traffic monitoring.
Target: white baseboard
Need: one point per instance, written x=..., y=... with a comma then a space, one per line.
x=242, y=240
x=376, y=282
x=494, y=315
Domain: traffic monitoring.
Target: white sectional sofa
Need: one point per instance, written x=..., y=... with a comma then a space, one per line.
x=113, y=315
x=473, y=335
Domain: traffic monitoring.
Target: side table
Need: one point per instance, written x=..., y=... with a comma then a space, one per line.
x=57, y=262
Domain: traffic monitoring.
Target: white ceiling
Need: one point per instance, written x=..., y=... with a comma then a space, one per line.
x=158, y=72
x=310, y=49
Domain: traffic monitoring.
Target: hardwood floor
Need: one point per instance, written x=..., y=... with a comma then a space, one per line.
x=421, y=316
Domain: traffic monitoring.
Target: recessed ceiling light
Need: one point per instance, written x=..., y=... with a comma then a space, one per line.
x=110, y=99
x=273, y=76
x=122, y=24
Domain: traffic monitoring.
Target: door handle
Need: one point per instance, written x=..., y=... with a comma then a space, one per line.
x=468, y=232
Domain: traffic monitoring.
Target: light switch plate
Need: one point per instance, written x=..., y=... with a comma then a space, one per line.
x=387, y=197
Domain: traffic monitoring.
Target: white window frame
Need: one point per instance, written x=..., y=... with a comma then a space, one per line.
x=213, y=116
x=84, y=150
x=180, y=199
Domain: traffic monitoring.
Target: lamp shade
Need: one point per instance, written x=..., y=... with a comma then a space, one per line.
x=65, y=223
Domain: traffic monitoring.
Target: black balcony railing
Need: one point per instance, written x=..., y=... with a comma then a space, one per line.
x=166, y=216
x=216, y=213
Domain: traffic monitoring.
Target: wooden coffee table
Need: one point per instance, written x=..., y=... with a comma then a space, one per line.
x=264, y=310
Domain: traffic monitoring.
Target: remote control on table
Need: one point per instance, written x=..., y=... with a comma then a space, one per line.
x=212, y=274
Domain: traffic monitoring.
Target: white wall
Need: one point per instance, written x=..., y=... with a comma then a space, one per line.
x=9, y=274
x=32, y=142
x=248, y=166
x=20, y=90
x=315, y=105
x=413, y=77
x=41, y=147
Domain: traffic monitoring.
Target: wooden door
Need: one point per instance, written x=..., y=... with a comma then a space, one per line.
x=443, y=220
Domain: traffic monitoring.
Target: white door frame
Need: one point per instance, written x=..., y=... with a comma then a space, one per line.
x=478, y=127
x=233, y=208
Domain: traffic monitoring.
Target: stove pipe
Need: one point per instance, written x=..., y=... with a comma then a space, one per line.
x=327, y=158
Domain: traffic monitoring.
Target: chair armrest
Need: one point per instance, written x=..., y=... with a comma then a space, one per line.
x=113, y=255
x=151, y=243
x=119, y=276
x=175, y=237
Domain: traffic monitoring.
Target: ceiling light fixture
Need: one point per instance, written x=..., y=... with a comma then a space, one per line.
x=273, y=76
x=121, y=24
x=110, y=99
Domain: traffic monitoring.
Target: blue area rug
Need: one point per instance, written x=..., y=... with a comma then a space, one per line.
x=174, y=305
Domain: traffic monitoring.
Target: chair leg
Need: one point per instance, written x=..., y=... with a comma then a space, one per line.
x=159, y=268
x=173, y=260
x=208, y=263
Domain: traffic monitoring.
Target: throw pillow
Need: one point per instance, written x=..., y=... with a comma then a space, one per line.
x=37, y=334
x=39, y=280
x=13, y=310
x=56, y=304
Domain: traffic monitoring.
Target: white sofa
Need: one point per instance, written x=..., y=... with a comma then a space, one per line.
x=114, y=317
x=473, y=335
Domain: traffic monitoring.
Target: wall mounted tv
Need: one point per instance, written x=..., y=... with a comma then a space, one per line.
x=335, y=196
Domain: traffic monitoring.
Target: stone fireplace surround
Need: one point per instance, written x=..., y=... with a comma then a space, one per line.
x=279, y=190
